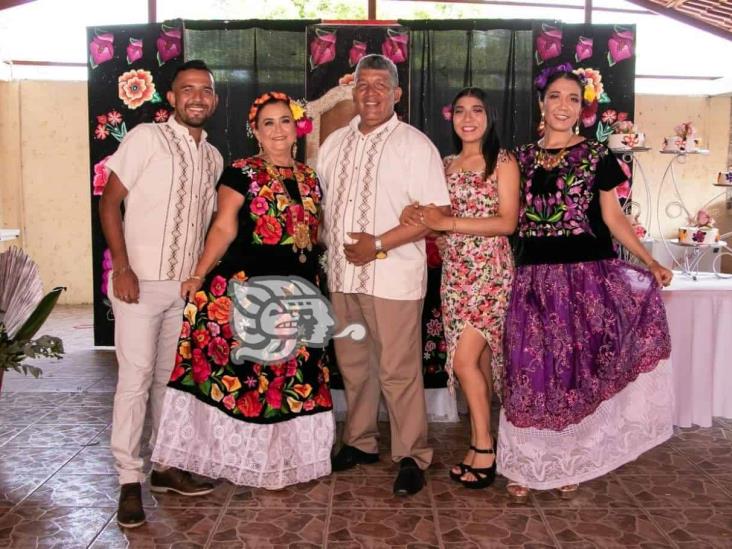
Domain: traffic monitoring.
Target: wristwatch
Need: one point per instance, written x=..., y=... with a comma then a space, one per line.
x=380, y=251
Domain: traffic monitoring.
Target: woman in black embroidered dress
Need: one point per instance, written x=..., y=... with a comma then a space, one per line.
x=263, y=425
x=585, y=331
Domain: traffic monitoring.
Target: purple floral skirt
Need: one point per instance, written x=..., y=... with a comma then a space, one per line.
x=577, y=334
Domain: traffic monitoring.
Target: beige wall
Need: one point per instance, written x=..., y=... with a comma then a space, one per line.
x=44, y=181
x=44, y=171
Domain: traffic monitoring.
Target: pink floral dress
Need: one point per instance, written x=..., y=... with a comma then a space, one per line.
x=477, y=271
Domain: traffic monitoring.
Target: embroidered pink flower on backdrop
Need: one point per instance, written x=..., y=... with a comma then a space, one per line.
x=168, y=44
x=101, y=49
x=161, y=115
x=620, y=45
x=548, y=43
x=396, y=46
x=101, y=132
x=583, y=49
x=357, y=51
x=106, y=267
x=447, y=112
x=623, y=190
x=100, y=177
x=322, y=48
x=609, y=116
x=136, y=87
x=114, y=118
x=134, y=50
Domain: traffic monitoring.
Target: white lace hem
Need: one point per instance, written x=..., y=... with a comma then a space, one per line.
x=196, y=437
x=632, y=422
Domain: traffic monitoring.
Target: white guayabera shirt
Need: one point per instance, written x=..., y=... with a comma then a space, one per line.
x=171, y=186
x=367, y=182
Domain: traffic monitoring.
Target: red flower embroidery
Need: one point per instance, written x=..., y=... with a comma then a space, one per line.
x=274, y=392
x=218, y=350
x=249, y=404
x=268, y=229
x=201, y=367
x=201, y=337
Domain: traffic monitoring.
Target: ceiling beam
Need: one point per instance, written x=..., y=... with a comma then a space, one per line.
x=5, y=4
x=683, y=18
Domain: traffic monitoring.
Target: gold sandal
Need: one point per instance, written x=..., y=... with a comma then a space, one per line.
x=517, y=492
x=568, y=491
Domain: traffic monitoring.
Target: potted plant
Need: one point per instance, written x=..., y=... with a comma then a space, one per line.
x=23, y=310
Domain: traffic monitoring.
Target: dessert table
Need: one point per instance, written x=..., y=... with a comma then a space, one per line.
x=700, y=319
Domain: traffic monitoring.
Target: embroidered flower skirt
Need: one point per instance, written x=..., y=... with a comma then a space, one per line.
x=196, y=437
x=583, y=393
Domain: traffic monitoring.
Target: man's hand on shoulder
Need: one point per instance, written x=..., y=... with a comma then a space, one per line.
x=362, y=251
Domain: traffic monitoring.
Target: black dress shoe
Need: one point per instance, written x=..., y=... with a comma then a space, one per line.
x=410, y=479
x=349, y=457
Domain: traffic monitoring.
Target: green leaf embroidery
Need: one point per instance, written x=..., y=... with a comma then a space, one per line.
x=205, y=387
x=188, y=380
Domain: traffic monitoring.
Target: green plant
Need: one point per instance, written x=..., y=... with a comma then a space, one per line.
x=14, y=350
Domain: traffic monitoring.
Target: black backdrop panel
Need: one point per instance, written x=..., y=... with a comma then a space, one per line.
x=125, y=64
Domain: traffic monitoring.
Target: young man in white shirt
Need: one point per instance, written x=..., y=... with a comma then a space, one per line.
x=166, y=176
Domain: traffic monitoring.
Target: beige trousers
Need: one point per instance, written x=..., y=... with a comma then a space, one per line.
x=387, y=361
x=146, y=337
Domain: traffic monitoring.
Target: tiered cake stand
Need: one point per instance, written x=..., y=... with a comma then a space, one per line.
x=692, y=255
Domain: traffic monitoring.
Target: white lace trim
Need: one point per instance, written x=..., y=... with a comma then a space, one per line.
x=196, y=437
x=635, y=420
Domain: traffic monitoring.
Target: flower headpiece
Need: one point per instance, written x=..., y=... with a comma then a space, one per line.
x=543, y=77
x=589, y=89
x=303, y=123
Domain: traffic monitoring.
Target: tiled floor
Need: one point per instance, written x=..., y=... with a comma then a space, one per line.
x=58, y=487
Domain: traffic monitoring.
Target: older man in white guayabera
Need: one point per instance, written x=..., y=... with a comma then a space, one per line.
x=370, y=170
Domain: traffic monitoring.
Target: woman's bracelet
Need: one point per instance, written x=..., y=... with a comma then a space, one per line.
x=117, y=272
x=196, y=277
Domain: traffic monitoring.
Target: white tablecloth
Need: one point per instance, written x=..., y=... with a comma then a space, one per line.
x=700, y=318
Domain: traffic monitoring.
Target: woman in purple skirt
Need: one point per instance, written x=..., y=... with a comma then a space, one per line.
x=584, y=391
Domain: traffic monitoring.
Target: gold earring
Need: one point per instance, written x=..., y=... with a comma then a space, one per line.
x=540, y=129
x=294, y=150
x=259, y=144
x=576, y=128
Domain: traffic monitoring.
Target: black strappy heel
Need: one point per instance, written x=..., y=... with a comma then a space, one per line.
x=484, y=476
x=464, y=467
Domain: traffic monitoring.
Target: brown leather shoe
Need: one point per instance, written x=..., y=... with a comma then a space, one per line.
x=180, y=482
x=130, y=513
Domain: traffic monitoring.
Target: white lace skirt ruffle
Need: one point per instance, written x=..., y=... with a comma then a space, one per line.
x=633, y=421
x=199, y=438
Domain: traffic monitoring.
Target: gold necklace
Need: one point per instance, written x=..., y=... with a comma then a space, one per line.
x=550, y=161
x=301, y=230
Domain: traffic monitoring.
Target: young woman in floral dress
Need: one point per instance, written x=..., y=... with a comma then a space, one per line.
x=585, y=331
x=254, y=424
x=483, y=181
